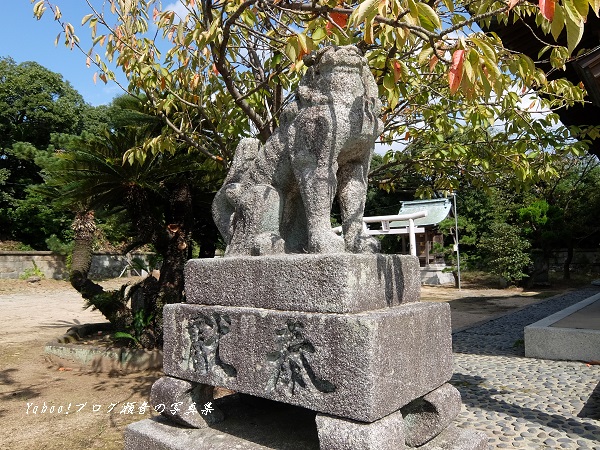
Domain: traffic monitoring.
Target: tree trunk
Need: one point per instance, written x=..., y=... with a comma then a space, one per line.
x=109, y=304
x=178, y=232
x=84, y=227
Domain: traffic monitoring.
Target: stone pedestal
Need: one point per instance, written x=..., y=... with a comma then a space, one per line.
x=341, y=335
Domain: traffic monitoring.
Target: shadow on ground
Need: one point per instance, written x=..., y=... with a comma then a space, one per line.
x=474, y=395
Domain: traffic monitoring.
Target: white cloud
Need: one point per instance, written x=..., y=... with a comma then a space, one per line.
x=178, y=7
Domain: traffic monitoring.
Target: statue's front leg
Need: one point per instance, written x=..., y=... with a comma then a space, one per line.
x=314, y=166
x=317, y=195
x=352, y=191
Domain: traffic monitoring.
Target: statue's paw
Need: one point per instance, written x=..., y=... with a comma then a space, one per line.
x=326, y=242
x=234, y=192
x=267, y=244
x=364, y=243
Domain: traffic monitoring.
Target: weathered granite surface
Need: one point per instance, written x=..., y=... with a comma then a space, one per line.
x=189, y=397
x=360, y=366
x=277, y=426
x=336, y=283
x=428, y=416
x=277, y=197
x=247, y=427
x=336, y=433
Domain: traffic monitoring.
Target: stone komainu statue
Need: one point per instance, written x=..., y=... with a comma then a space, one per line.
x=277, y=197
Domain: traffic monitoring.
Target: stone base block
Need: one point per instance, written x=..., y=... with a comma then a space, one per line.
x=191, y=399
x=272, y=425
x=434, y=275
x=428, y=416
x=332, y=283
x=454, y=438
x=336, y=433
x=247, y=427
x=359, y=366
x=548, y=339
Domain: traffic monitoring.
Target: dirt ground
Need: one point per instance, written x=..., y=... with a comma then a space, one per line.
x=44, y=406
x=471, y=306
x=33, y=390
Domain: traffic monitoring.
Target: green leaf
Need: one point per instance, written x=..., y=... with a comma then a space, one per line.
x=86, y=18
x=305, y=42
x=413, y=9
x=123, y=335
x=595, y=5
x=366, y=9
x=571, y=11
x=558, y=23
x=393, y=98
x=582, y=7
x=428, y=17
x=425, y=55
x=574, y=33
x=249, y=18
x=319, y=34
x=468, y=70
x=449, y=4
x=486, y=49
x=291, y=48
x=38, y=9
x=388, y=82
x=543, y=50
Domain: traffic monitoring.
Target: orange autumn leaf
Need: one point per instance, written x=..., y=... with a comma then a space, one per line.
x=340, y=19
x=397, y=71
x=456, y=70
x=547, y=9
x=433, y=62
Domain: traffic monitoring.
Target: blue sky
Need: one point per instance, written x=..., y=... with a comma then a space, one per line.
x=24, y=38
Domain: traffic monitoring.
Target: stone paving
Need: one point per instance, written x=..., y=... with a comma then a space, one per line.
x=522, y=402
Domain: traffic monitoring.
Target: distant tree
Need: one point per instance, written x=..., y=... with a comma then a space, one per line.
x=35, y=103
x=505, y=251
x=483, y=216
x=566, y=215
x=549, y=216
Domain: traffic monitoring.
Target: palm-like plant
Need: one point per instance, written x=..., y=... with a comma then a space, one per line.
x=158, y=193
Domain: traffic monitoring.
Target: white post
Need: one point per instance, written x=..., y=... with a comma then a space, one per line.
x=426, y=249
x=411, y=237
x=456, y=234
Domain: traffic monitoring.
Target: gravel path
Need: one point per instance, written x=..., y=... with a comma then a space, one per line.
x=522, y=402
